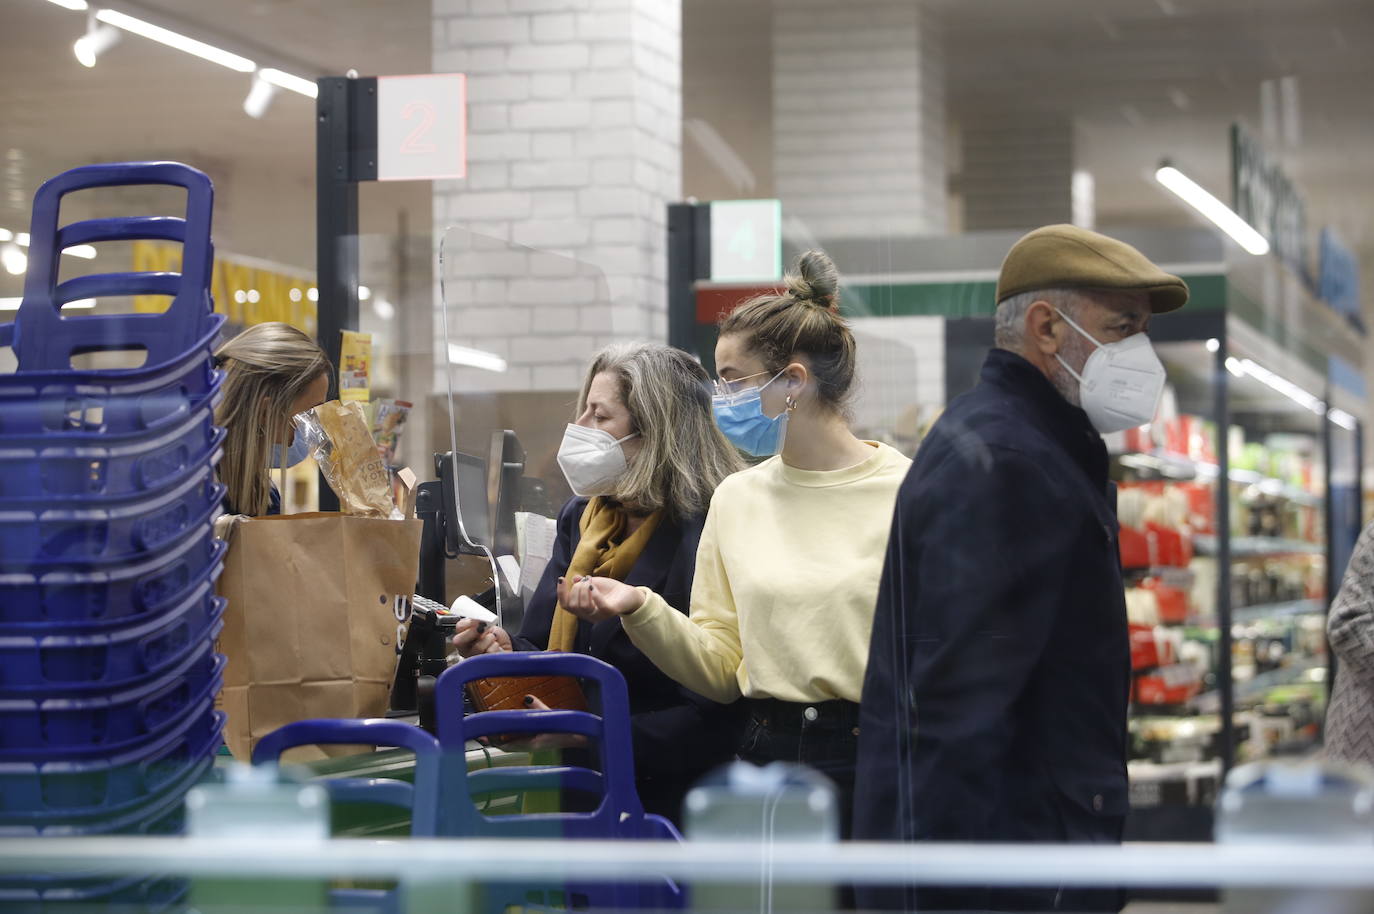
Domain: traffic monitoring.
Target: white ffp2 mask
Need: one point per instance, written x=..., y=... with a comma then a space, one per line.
x=1121, y=382
x=592, y=460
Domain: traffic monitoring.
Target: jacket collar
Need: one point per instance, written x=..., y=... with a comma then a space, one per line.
x=1067, y=424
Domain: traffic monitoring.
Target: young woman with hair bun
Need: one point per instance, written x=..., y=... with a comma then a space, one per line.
x=791, y=553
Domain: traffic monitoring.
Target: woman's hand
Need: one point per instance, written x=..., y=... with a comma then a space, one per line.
x=471, y=638
x=598, y=599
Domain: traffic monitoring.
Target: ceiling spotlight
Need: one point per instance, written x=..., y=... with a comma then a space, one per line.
x=259, y=97
x=312, y=293
x=97, y=40
x=14, y=260
x=364, y=293
x=384, y=309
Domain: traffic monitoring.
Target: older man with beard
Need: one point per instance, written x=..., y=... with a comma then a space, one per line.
x=994, y=705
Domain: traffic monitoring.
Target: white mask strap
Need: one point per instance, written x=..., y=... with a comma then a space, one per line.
x=1070, y=321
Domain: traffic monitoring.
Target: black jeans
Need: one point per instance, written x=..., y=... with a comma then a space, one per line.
x=823, y=735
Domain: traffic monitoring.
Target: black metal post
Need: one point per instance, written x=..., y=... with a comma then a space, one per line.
x=345, y=153
x=689, y=259
x=1225, y=677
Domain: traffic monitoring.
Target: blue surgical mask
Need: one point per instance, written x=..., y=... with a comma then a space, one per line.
x=289, y=456
x=741, y=419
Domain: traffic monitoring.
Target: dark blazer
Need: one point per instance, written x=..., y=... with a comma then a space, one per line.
x=678, y=734
x=994, y=706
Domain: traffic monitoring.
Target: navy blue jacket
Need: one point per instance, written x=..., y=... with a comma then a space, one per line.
x=678, y=734
x=994, y=705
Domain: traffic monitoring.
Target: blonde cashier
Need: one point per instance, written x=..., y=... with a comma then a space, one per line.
x=792, y=549
x=273, y=371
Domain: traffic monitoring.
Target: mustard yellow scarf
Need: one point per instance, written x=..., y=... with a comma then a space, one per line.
x=603, y=551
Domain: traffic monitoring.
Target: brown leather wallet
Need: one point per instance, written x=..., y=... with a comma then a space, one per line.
x=508, y=693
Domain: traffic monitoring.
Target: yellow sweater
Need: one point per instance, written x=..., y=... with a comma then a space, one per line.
x=786, y=580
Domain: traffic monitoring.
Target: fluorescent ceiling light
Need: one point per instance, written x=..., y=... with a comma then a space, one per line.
x=1343, y=419
x=177, y=40
x=78, y=6
x=22, y=239
x=97, y=40
x=10, y=304
x=1219, y=213
x=1281, y=385
x=6, y=235
x=476, y=358
x=285, y=80
x=260, y=95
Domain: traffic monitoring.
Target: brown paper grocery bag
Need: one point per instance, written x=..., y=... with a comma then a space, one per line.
x=310, y=631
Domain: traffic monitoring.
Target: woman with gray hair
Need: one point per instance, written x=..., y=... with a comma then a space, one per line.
x=1350, y=628
x=643, y=457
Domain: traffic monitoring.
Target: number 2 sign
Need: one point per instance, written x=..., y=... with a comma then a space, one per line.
x=421, y=127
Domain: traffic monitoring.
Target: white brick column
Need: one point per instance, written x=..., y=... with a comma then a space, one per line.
x=574, y=126
x=859, y=117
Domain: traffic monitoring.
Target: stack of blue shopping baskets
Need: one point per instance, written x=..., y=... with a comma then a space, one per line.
x=108, y=496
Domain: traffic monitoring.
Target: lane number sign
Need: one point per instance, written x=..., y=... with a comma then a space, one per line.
x=421, y=127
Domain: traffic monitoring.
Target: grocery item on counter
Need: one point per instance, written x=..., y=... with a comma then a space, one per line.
x=338, y=437
x=388, y=421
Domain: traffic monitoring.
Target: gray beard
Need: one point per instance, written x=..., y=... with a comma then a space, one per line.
x=1075, y=353
x=1066, y=384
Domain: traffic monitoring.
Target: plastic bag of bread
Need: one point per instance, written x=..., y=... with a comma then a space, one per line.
x=341, y=443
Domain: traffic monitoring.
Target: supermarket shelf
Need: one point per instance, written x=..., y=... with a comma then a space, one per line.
x=1277, y=610
x=1250, y=546
x=1172, y=466
x=1298, y=673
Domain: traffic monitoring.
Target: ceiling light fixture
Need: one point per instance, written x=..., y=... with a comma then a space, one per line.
x=1343, y=419
x=76, y=6
x=1192, y=193
x=260, y=96
x=283, y=80
x=364, y=293
x=1280, y=384
x=97, y=40
x=177, y=40
x=384, y=309
x=475, y=358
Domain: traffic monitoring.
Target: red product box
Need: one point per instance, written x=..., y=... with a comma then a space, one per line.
x=1175, y=603
x=1169, y=547
x=1135, y=548
x=1147, y=652
x=1202, y=506
x=1170, y=685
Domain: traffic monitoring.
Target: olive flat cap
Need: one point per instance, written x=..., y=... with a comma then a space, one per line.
x=1069, y=257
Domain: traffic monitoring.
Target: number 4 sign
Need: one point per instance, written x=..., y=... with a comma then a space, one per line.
x=421, y=127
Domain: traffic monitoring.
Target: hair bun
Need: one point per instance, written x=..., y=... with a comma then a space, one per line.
x=816, y=281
